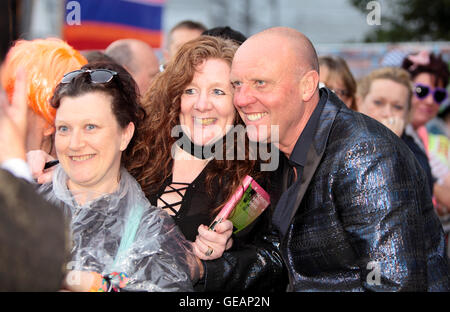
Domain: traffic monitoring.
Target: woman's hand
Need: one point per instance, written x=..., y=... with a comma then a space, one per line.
x=79, y=281
x=36, y=161
x=210, y=245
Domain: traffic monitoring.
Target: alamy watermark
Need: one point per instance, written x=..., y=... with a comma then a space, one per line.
x=374, y=276
x=73, y=277
x=374, y=16
x=73, y=16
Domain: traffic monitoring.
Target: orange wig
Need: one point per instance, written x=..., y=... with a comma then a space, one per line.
x=45, y=61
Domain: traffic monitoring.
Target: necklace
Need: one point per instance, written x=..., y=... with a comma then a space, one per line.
x=198, y=151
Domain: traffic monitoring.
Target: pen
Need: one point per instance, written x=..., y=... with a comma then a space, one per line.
x=51, y=163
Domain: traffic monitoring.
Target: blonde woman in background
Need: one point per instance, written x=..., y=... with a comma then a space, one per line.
x=385, y=95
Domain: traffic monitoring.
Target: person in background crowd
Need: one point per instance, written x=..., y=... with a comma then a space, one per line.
x=181, y=33
x=226, y=33
x=385, y=95
x=335, y=75
x=138, y=58
x=351, y=189
x=45, y=61
x=430, y=76
x=442, y=125
x=33, y=233
x=93, y=56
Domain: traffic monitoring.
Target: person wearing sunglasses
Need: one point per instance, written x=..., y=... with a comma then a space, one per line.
x=336, y=75
x=119, y=241
x=430, y=75
x=194, y=92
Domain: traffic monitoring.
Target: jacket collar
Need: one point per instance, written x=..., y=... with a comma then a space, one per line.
x=300, y=150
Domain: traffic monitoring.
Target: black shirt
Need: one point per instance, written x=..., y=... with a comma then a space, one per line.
x=297, y=160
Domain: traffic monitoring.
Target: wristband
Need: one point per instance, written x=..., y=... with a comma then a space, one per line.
x=109, y=283
x=117, y=280
x=99, y=284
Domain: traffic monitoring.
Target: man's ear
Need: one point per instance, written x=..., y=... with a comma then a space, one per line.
x=309, y=84
x=127, y=134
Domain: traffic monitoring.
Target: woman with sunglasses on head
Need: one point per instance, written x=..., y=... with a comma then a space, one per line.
x=430, y=76
x=120, y=241
x=194, y=95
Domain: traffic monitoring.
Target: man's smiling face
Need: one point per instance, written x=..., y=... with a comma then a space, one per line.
x=266, y=90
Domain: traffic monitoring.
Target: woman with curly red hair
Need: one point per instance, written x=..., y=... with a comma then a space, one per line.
x=194, y=94
x=193, y=91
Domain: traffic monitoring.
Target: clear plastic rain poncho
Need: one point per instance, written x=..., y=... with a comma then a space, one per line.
x=122, y=232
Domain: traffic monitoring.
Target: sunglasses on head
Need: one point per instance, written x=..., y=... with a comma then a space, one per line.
x=439, y=94
x=96, y=75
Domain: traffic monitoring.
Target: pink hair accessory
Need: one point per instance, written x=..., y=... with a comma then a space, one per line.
x=421, y=58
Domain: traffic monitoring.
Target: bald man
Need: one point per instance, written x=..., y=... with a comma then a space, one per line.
x=355, y=213
x=138, y=58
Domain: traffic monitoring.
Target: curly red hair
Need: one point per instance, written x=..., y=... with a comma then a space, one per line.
x=162, y=103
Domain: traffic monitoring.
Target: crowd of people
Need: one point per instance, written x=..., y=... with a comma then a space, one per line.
x=118, y=165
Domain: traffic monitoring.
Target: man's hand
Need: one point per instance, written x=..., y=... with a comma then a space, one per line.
x=13, y=121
